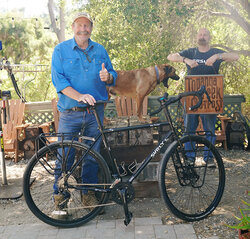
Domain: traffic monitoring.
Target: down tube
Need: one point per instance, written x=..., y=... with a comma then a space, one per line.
x=150, y=157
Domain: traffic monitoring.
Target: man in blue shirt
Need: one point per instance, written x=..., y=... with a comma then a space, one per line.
x=202, y=60
x=81, y=69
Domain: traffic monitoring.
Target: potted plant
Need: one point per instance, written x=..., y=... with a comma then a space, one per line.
x=243, y=226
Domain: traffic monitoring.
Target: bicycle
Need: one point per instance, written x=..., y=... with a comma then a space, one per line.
x=191, y=190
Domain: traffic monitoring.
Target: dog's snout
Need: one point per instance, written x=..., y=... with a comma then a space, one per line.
x=175, y=77
x=170, y=71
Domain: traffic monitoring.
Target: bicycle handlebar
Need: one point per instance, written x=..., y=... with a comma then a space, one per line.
x=98, y=102
x=199, y=94
x=156, y=111
x=165, y=102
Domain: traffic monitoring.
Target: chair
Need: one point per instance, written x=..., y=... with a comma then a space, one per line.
x=14, y=128
x=221, y=132
x=46, y=126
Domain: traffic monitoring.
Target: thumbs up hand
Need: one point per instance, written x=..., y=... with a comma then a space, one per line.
x=104, y=75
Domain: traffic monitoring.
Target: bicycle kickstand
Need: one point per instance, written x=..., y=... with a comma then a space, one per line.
x=128, y=214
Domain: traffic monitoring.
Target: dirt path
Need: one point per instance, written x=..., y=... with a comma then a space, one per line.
x=237, y=165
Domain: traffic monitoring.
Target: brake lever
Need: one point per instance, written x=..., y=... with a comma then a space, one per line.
x=199, y=94
x=208, y=97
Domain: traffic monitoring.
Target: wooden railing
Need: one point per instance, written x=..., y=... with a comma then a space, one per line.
x=41, y=112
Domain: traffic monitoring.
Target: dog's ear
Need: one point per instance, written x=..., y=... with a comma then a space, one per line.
x=168, y=69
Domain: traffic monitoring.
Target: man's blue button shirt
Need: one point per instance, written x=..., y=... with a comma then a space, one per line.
x=71, y=67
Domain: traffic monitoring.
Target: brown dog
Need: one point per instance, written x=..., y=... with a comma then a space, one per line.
x=141, y=82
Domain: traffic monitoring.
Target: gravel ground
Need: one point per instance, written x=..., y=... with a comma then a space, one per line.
x=237, y=163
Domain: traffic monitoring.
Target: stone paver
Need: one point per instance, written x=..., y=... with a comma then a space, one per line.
x=184, y=231
x=139, y=228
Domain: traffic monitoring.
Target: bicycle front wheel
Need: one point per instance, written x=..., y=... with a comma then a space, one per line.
x=191, y=188
x=39, y=184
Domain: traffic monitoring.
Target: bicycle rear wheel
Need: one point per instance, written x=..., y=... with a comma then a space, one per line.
x=39, y=178
x=191, y=190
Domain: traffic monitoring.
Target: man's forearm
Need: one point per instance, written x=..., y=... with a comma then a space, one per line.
x=71, y=93
x=175, y=57
x=228, y=56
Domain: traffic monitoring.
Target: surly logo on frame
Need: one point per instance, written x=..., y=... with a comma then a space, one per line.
x=158, y=148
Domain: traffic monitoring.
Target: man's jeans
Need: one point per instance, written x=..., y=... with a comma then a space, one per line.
x=191, y=122
x=74, y=122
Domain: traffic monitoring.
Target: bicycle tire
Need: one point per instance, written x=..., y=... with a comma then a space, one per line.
x=191, y=196
x=38, y=193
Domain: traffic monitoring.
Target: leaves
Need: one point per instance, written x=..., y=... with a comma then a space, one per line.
x=26, y=42
x=139, y=34
x=244, y=223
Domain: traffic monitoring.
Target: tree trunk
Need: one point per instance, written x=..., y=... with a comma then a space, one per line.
x=60, y=31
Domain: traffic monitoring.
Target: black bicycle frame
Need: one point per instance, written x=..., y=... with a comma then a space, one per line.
x=103, y=132
x=144, y=163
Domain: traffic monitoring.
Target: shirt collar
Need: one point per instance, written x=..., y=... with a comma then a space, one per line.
x=74, y=44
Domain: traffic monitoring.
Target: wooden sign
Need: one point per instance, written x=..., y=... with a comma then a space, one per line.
x=214, y=87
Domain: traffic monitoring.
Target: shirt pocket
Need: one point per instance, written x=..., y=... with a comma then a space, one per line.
x=71, y=67
x=98, y=63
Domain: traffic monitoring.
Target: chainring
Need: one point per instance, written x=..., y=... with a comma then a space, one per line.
x=116, y=192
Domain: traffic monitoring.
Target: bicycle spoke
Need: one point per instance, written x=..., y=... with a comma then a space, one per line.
x=192, y=191
x=45, y=167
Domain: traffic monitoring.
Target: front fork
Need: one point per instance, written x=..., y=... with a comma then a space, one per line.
x=184, y=170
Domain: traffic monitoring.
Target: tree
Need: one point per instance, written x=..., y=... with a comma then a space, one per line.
x=130, y=31
x=59, y=30
x=27, y=43
x=138, y=34
x=228, y=22
x=236, y=11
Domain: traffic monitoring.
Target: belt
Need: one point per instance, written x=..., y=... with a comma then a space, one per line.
x=77, y=109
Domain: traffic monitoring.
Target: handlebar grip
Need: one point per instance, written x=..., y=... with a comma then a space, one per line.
x=103, y=101
x=195, y=106
x=6, y=93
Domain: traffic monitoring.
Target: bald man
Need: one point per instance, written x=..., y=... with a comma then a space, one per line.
x=202, y=60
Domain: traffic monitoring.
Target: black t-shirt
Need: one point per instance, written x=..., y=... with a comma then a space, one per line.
x=200, y=58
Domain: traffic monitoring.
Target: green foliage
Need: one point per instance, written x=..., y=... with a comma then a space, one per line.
x=26, y=42
x=131, y=31
x=244, y=219
x=136, y=34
